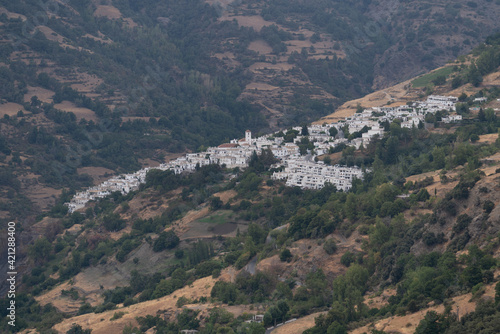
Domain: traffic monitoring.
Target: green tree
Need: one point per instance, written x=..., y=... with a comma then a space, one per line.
x=439, y=80
x=305, y=131
x=216, y=203
x=40, y=250
x=286, y=255
x=474, y=75
x=166, y=240
x=431, y=324
x=113, y=222
x=77, y=329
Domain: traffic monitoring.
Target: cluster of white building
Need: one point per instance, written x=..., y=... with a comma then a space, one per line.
x=298, y=170
x=309, y=174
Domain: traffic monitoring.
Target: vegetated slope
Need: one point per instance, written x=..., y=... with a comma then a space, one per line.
x=375, y=43
x=45, y=139
x=401, y=249
x=154, y=77
x=314, y=250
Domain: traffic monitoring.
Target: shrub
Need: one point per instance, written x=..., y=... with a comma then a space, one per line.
x=348, y=258
x=286, y=255
x=166, y=240
x=225, y=292
x=113, y=222
x=488, y=206
x=462, y=223
x=117, y=315
x=330, y=247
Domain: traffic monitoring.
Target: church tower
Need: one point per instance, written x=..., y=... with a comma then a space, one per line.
x=248, y=136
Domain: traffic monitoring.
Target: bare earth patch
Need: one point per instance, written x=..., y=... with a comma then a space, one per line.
x=260, y=46
x=50, y=34
x=42, y=94
x=88, y=283
x=99, y=39
x=10, y=109
x=379, y=300
x=66, y=304
x=260, y=86
x=43, y=196
x=110, y=12
x=254, y=21
x=87, y=84
x=298, y=326
x=101, y=324
x=225, y=196
x=11, y=15
x=78, y=111
x=113, y=13
x=269, y=66
x=392, y=96
x=408, y=323
x=488, y=139
x=183, y=225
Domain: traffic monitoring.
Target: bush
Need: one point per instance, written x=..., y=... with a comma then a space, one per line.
x=330, y=247
x=462, y=223
x=286, y=255
x=166, y=240
x=182, y=301
x=348, y=258
x=207, y=268
x=488, y=206
x=225, y=292
x=179, y=253
x=113, y=222
x=117, y=315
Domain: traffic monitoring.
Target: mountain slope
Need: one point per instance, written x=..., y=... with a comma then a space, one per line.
x=444, y=234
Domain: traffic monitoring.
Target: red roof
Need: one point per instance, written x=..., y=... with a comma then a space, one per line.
x=227, y=145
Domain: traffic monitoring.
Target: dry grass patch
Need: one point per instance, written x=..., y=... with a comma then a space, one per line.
x=42, y=94
x=11, y=15
x=110, y=12
x=101, y=323
x=254, y=21
x=99, y=39
x=50, y=34
x=11, y=109
x=379, y=300
x=408, y=323
x=268, y=66
x=298, y=326
x=488, y=139
x=260, y=86
x=113, y=13
x=78, y=111
x=261, y=47
x=392, y=96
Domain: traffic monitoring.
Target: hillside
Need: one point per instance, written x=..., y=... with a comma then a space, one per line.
x=149, y=79
x=91, y=89
x=419, y=234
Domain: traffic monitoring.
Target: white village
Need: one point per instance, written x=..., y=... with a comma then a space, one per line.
x=299, y=170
